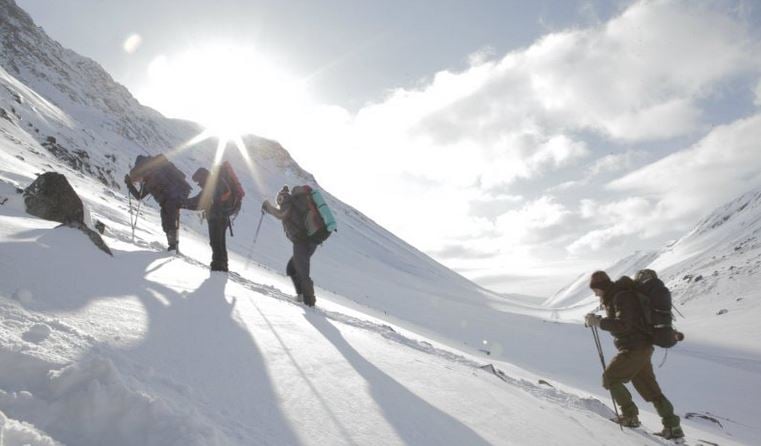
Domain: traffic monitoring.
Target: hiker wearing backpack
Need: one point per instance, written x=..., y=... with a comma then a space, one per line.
x=166, y=184
x=624, y=319
x=220, y=198
x=655, y=300
x=307, y=222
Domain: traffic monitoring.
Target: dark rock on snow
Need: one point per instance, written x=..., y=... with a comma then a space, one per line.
x=51, y=197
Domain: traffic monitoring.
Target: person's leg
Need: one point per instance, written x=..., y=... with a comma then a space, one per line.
x=217, y=228
x=170, y=223
x=302, y=253
x=620, y=370
x=291, y=271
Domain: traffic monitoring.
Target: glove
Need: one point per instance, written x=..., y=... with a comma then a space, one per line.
x=266, y=206
x=592, y=320
x=127, y=179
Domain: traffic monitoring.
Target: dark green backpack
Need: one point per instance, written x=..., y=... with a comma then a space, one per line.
x=655, y=301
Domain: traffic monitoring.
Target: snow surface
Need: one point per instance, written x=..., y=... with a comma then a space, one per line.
x=147, y=348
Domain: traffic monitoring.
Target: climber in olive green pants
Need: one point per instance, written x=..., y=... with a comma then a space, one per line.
x=635, y=350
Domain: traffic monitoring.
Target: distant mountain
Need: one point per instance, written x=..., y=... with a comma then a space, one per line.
x=714, y=270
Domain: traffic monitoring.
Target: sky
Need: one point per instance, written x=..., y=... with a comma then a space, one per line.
x=520, y=143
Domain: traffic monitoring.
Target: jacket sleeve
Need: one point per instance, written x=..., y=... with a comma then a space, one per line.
x=624, y=312
x=135, y=193
x=279, y=213
x=193, y=202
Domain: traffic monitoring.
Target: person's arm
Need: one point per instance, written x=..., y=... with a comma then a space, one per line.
x=624, y=306
x=280, y=213
x=192, y=203
x=131, y=188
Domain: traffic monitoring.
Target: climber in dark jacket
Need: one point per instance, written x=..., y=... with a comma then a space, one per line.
x=167, y=185
x=211, y=200
x=625, y=321
x=298, y=268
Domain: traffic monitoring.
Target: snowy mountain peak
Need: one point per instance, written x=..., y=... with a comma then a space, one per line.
x=746, y=209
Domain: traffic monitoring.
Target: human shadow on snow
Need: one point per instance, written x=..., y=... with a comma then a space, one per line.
x=194, y=340
x=416, y=421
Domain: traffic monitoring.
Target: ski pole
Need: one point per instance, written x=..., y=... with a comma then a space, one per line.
x=256, y=236
x=133, y=223
x=677, y=311
x=598, y=344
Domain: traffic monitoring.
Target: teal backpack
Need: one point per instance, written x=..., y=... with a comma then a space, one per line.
x=318, y=218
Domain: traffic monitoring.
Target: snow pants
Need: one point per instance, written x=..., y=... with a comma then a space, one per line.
x=218, y=242
x=170, y=220
x=298, y=269
x=636, y=366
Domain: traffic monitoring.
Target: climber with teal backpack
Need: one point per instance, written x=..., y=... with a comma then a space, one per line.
x=308, y=222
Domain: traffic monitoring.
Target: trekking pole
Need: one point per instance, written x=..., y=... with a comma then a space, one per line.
x=133, y=223
x=596, y=336
x=677, y=311
x=256, y=236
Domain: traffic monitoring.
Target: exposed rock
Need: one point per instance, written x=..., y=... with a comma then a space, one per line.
x=51, y=197
x=722, y=311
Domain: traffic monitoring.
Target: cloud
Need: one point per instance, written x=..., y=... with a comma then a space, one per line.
x=615, y=162
x=691, y=182
x=541, y=214
x=619, y=220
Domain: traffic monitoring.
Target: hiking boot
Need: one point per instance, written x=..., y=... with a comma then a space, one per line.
x=671, y=433
x=309, y=301
x=627, y=420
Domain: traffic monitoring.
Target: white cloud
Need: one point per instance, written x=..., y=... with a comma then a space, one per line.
x=690, y=182
x=618, y=219
x=542, y=213
x=614, y=162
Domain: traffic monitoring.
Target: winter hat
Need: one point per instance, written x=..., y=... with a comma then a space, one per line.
x=645, y=275
x=284, y=192
x=600, y=280
x=200, y=175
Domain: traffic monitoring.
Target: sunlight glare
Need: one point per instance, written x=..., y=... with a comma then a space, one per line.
x=230, y=90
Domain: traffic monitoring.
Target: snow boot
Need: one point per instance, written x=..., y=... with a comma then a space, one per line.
x=308, y=288
x=671, y=433
x=300, y=298
x=171, y=240
x=627, y=420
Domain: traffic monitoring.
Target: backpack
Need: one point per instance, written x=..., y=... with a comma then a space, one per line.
x=233, y=198
x=655, y=301
x=160, y=165
x=319, y=222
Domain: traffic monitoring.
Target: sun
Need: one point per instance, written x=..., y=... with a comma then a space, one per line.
x=230, y=90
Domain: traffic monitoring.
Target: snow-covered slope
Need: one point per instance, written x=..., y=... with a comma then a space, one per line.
x=152, y=349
